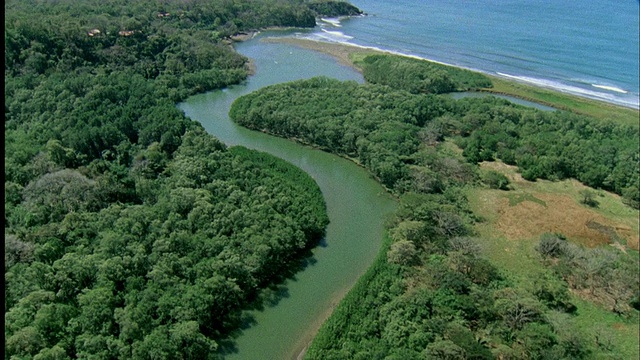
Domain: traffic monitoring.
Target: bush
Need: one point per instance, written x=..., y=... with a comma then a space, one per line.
x=551, y=245
x=631, y=196
x=553, y=292
x=495, y=180
x=588, y=198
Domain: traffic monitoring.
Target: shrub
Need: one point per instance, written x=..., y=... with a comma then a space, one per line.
x=551, y=245
x=588, y=198
x=631, y=196
x=495, y=180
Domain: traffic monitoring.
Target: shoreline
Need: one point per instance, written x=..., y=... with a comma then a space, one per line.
x=344, y=53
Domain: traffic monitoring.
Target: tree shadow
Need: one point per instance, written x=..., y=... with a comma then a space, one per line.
x=266, y=295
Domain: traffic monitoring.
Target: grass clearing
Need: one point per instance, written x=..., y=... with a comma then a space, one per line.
x=532, y=208
x=609, y=328
x=514, y=220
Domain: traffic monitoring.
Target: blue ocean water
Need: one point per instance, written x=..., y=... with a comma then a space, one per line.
x=587, y=48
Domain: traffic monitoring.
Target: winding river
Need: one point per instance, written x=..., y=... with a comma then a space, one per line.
x=357, y=205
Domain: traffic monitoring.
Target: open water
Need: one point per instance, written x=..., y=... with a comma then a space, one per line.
x=586, y=48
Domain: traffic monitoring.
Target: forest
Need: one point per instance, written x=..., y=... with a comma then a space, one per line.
x=431, y=294
x=130, y=232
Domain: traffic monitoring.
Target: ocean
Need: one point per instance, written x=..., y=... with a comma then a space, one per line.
x=586, y=48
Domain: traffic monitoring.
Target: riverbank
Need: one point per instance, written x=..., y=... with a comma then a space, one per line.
x=348, y=55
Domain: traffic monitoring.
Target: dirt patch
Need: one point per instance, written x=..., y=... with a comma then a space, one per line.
x=619, y=326
x=557, y=214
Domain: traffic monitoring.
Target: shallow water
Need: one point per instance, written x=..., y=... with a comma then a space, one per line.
x=357, y=205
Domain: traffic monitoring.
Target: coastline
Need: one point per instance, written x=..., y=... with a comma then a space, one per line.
x=346, y=54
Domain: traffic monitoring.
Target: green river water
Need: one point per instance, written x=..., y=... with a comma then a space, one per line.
x=357, y=205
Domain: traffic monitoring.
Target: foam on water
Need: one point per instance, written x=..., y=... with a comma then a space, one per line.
x=611, y=88
x=333, y=36
x=574, y=90
x=333, y=21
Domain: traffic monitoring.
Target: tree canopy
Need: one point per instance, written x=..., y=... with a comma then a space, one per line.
x=129, y=232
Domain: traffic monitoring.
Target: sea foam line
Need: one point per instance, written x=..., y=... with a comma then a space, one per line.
x=575, y=90
x=337, y=35
x=611, y=88
x=333, y=21
x=343, y=39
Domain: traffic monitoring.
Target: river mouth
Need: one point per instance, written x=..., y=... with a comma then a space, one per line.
x=356, y=204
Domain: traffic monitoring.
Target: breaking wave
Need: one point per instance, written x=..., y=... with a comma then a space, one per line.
x=333, y=21
x=610, y=88
x=630, y=101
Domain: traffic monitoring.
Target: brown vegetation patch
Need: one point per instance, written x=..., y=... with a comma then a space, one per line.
x=619, y=326
x=529, y=219
x=529, y=212
x=633, y=242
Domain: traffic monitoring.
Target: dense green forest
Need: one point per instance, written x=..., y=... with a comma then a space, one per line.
x=418, y=76
x=129, y=231
x=382, y=126
x=431, y=294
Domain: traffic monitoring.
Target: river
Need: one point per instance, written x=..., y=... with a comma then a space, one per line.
x=357, y=205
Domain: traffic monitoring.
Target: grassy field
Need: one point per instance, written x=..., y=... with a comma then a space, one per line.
x=352, y=55
x=514, y=220
x=532, y=208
